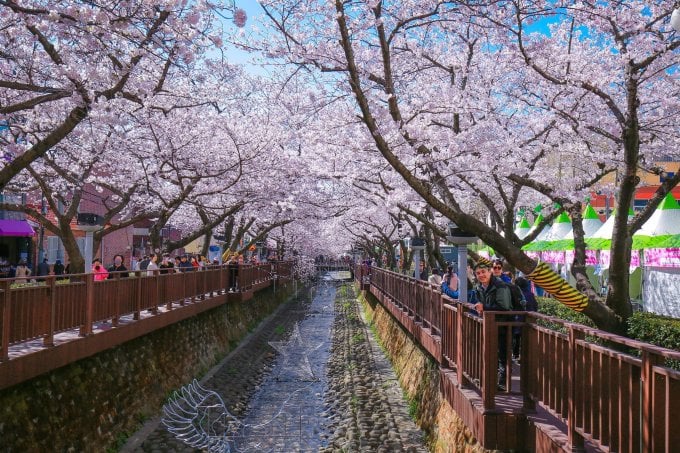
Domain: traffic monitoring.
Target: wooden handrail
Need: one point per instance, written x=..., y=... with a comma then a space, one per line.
x=77, y=301
x=617, y=401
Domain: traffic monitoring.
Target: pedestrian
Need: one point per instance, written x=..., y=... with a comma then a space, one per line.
x=233, y=274
x=494, y=295
x=99, y=271
x=118, y=269
x=422, y=272
x=144, y=263
x=450, y=283
x=153, y=265
x=531, y=305
x=435, y=279
x=58, y=269
x=166, y=265
x=497, y=268
x=22, y=271
x=43, y=269
x=184, y=264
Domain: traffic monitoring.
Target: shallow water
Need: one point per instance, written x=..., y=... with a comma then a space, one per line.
x=287, y=411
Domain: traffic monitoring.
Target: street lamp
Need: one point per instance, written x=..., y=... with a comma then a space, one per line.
x=461, y=238
x=417, y=244
x=675, y=20
x=88, y=252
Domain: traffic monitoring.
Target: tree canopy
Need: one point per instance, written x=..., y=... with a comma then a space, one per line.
x=368, y=118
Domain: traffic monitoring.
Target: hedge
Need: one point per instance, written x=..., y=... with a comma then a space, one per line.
x=647, y=327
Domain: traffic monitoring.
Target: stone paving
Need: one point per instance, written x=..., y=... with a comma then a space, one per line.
x=311, y=378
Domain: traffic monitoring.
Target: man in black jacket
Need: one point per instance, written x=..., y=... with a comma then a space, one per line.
x=494, y=295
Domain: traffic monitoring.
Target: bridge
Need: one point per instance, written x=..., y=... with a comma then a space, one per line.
x=576, y=388
x=335, y=271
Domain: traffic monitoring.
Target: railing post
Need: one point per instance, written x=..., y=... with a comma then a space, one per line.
x=527, y=354
x=5, y=308
x=89, y=305
x=489, y=359
x=204, y=282
x=117, y=310
x=170, y=279
x=649, y=361
x=138, y=296
x=184, y=274
x=460, y=357
x=576, y=440
x=52, y=297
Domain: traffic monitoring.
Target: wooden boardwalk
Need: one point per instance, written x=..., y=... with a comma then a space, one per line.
x=572, y=390
x=52, y=324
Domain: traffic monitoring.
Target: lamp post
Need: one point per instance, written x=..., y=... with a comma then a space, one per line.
x=675, y=19
x=416, y=245
x=88, y=252
x=461, y=238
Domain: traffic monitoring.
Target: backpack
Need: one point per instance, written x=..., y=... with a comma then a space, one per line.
x=517, y=299
x=519, y=302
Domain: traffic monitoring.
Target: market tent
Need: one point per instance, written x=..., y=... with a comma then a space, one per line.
x=523, y=228
x=560, y=227
x=662, y=227
x=542, y=234
x=591, y=224
x=601, y=239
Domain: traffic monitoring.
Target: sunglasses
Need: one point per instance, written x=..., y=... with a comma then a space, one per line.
x=498, y=267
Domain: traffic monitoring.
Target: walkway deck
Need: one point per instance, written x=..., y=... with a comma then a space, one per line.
x=569, y=392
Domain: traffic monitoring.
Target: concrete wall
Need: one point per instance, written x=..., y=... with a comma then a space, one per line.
x=419, y=378
x=92, y=404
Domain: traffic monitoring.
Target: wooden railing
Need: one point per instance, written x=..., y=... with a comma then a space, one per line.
x=616, y=393
x=78, y=301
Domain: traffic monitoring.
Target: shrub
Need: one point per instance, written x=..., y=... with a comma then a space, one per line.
x=647, y=327
x=551, y=307
x=655, y=329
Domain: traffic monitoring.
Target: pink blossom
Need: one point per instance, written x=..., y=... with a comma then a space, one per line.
x=240, y=17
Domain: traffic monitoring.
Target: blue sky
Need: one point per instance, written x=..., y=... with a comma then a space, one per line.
x=253, y=10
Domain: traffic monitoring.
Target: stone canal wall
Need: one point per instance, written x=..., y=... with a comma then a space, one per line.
x=419, y=375
x=93, y=404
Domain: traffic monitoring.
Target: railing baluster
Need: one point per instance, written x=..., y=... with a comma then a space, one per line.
x=5, y=309
x=649, y=360
x=490, y=360
x=52, y=298
x=576, y=441
x=86, y=329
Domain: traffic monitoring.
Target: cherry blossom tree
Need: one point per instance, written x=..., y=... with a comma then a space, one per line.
x=65, y=61
x=480, y=116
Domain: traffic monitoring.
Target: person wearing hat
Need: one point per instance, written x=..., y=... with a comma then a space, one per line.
x=493, y=295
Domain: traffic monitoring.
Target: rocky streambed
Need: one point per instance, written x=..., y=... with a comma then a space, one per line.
x=311, y=378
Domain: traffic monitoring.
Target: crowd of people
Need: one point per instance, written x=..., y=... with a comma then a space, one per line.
x=23, y=271
x=147, y=265
x=492, y=286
